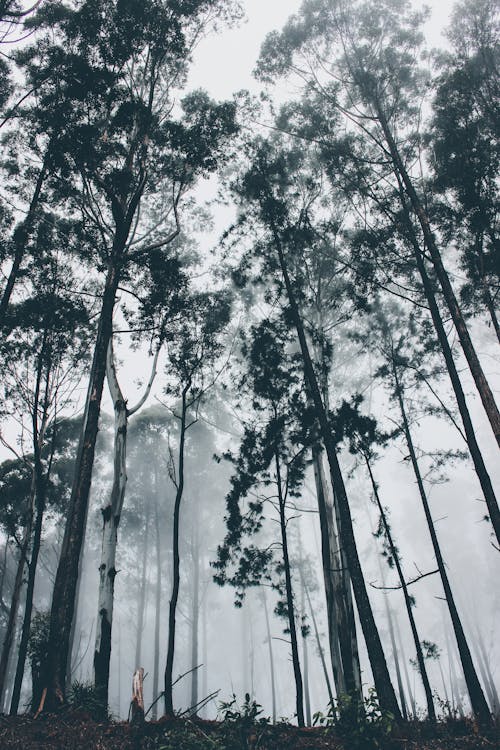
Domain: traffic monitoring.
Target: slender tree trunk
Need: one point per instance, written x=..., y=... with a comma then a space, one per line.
x=395, y=655
x=119, y=690
x=385, y=690
x=305, y=660
x=156, y=666
x=404, y=662
x=350, y=670
x=63, y=599
x=392, y=634
x=409, y=607
x=40, y=485
x=10, y=629
x=143, y=589
x=484, y=667
x=329, y=573
x=320, y=648
x=455, y=692
x=476, y=695
x=344, y=651
x=451, y=707
x=271, y=655
x=195, y=612
x=204, y=641
x=169, y=704
x=299, y=696
x=475, y=452
x=480, y=380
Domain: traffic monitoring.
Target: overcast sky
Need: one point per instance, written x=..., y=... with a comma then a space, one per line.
x=224, y=63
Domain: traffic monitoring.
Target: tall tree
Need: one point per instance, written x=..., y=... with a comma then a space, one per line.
x=165, y=285
x=108, y=74
x=192, y=361
x=272, y=453
x=465, y=150
x=267, y=189
x=43, y=360
x=476, y=695
x=362, y=61
x=363, y=436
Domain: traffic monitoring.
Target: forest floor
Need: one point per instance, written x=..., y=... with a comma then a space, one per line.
x=78, y=731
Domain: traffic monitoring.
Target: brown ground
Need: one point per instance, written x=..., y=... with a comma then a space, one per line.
x=77, y=731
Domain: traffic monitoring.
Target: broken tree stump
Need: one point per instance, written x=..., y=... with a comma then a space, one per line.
x=137, y=702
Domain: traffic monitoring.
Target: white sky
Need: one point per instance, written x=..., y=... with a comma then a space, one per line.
x=224, y=63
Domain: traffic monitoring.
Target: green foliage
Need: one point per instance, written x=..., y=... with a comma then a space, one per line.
x=83, y=696
x=364, y=726
x=245, y=716
x=190, y=738
x=243, y=726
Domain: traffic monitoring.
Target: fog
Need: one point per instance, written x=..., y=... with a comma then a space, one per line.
x=222, y=651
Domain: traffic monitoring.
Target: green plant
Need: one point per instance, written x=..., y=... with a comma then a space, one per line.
x=190, y=738
x=83, y=696
x=363, y=724
x=242, y=726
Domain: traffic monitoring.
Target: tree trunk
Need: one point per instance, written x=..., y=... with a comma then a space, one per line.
x=408, y=604
x=137, y=703
x=476, y=695
x=299, y=697
x=195, y=612
x=404, y=662
x=143, y=589
x=204, y=682
x=63, y=599
x=14, y=605
x=451, y=707
x=40, y=487
x=470, y=436
x=271, y=655
x=169, y=704
x=480, y=380
x=110, y=521
x=305, y=660
x=156, y=665
x=475, y=452
x=395, y=655
x=488, y=681
x=455, y=692
x=343, y=619
x=320, y=648
x=385, y=690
